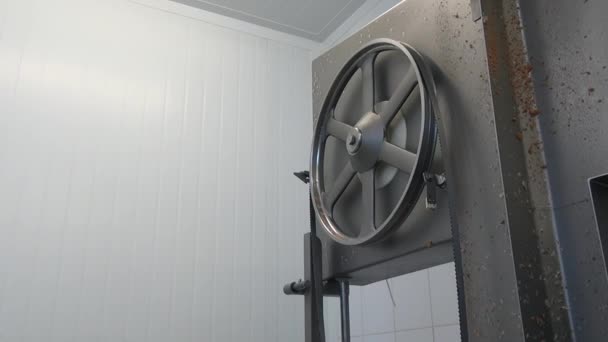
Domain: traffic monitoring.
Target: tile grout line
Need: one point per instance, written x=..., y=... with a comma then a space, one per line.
x=377, y=334
x=428, y=276
x=406, y=330
x=429, y=327
x=362, y=305
x=390, y=292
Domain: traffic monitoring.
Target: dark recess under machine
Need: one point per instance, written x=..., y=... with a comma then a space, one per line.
x=473, y=131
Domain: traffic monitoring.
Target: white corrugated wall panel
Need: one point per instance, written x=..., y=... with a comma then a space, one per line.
x=145, y=176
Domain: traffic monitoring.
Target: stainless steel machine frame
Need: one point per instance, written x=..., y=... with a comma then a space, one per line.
x=523, y=125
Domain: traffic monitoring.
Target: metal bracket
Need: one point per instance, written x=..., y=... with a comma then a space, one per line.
x=599, y=197
x=476, y=12
x=304, y=176
x=331, y=288
x=433, y=181
x=296, y=288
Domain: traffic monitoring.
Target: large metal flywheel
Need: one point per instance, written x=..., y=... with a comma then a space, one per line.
x=373, y=140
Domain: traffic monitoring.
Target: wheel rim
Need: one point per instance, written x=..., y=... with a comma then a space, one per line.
x=367, y=147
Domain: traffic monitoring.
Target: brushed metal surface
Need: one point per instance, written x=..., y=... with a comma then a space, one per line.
x=522, y=101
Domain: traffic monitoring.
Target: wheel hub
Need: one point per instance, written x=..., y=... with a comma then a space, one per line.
x=368, y=136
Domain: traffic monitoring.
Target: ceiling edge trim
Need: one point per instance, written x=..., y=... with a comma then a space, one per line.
x=370, y=11
x=196, y=13
x=249, y=18
x=344, y=14
x=231, y=12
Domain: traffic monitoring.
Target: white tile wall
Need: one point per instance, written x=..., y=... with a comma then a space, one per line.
x=378, y=314
x=356, y=306
x=331, y=316
x=425, y=310
x=412, y=301
x=448, y=333
x=443, y=294
x=389, y=337
x=415, y=335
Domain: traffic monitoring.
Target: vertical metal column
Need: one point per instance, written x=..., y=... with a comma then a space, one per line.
x=344, y=309
x=313, y=298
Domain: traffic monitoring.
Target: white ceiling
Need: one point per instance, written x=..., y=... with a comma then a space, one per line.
x=312, y=19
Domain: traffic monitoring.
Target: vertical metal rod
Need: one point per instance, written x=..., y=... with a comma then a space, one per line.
x=313, y=298
x=344, y=310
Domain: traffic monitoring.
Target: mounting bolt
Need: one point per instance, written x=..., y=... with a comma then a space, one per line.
x=353, y=141
x=441, y=180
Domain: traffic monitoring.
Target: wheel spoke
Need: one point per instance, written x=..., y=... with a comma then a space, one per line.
x=403, y=91
x=368, y=192
x=398, y=157
x=340, y=184
x=338, y=129
x=368, y=84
